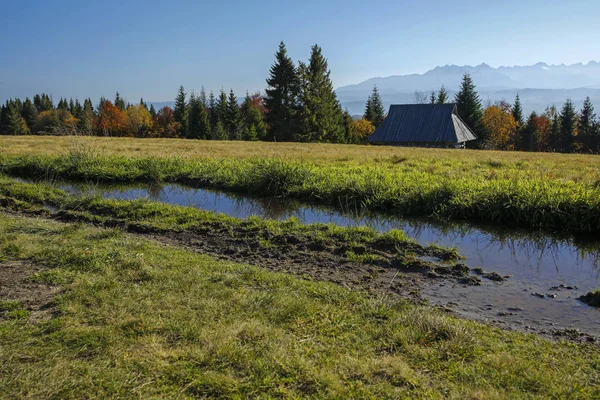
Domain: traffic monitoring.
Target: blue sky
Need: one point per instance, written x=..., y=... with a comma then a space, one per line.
x=149, y=48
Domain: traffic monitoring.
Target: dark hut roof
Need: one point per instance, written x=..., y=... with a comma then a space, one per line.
x=422, y=123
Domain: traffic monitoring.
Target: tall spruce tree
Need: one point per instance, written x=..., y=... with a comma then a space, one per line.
x=568, y=123
x=212, y=105
x=86, y=122
x=4, y=119
x=281, y=97
x=442, y=96
x=16, y=123
x=529, y=133
x=321, y=113
x=374, y=111
x=432, y=97
x=586, y=127
x=120, y=102
x=469, y=108
x=232, y=117
x=180, y=110
x=29, y=113
x=198, y=124
x=152, y=111
x=517, y=111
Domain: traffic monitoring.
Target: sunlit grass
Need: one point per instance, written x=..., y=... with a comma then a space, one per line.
x=138, y=320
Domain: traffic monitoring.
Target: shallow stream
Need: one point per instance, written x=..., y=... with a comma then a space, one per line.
x=537, y=261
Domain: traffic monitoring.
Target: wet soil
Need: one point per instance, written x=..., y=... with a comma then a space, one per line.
x=415, y=275
x=16, y=286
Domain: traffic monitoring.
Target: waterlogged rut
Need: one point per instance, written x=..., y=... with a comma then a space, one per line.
x=548, y=272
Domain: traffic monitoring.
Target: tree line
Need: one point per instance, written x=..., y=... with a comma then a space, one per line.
x=503, y=126
x=299, y=104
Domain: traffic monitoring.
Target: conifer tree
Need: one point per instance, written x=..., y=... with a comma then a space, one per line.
x=16, y=123
x=71, y=105
x=587, y=125
x=180, y=110
x=442, y=96
x=517, y=111
x=555, y=138
x=86, y=122
x=219, y=132
x=203, y=98
x=77, y=110
x=529, y=133
x=281, y=97
x=63, y=105
x=221, y=110
x=143, y=103
x=321, y=114
x=368, y=109
x=375, y=112
x=198, y=124
x=212, y=108
x=152, y=111
x=119, y=102
x=568, y=122
x=232, y=117
x=469, y=107
x=432, y=97
x=29, y=113
x=4, y=119
x=46, y=103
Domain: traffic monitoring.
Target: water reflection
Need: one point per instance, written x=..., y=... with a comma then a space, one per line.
x=515, y=251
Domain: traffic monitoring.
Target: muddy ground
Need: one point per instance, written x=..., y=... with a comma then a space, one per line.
x=414, y=277
x=16, y=285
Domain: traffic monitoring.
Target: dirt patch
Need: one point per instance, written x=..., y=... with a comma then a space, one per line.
x=16, y=286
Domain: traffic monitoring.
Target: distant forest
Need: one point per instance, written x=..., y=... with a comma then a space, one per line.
x=299, y=104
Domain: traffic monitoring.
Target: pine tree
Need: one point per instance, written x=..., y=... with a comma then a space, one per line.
x=5, y=119
x=71, y=105
x=220, y=110
x=119, y=102
x=16, y=123
x=198, y=124
x=232, y=117
x=219, y=132
x=568, y=122
x=587, y=125
x=29, y=113
x=432, y=97
x=77, y=110
x=63, y=105
x=281, y=96
x=374, y=112
x=86, y=122
x=152, y=111
x=529, y=133
x=321, y=114
x=143, y=103
x=180, y=110
x=442, y=97
x=469, y=107
x=46, y=103
x=203, y=99
x=212, y=105
x=517, y=111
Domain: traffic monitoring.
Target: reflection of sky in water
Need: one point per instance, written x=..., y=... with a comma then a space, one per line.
x=537, y=261
x=528, y=256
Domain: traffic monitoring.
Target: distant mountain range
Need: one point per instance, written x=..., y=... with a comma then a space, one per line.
x=538, y=85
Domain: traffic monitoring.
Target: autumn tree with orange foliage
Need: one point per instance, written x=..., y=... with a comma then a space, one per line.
x=500, y=126
x=111, y=120
x=166, y=126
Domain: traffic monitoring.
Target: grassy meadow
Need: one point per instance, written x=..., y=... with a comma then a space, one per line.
x=552, y=191
x=137, y=319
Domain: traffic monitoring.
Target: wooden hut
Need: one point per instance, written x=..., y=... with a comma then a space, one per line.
x=423, y=125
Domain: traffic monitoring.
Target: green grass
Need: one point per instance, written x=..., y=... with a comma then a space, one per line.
x=150, y=216
x=518, y=193
x=140, y=320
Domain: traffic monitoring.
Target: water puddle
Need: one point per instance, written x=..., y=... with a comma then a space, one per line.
x=536, y=261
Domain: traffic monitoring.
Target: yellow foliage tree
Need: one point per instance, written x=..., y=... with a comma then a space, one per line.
x=361, y=130
x=501, y=128
x=139, y=120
